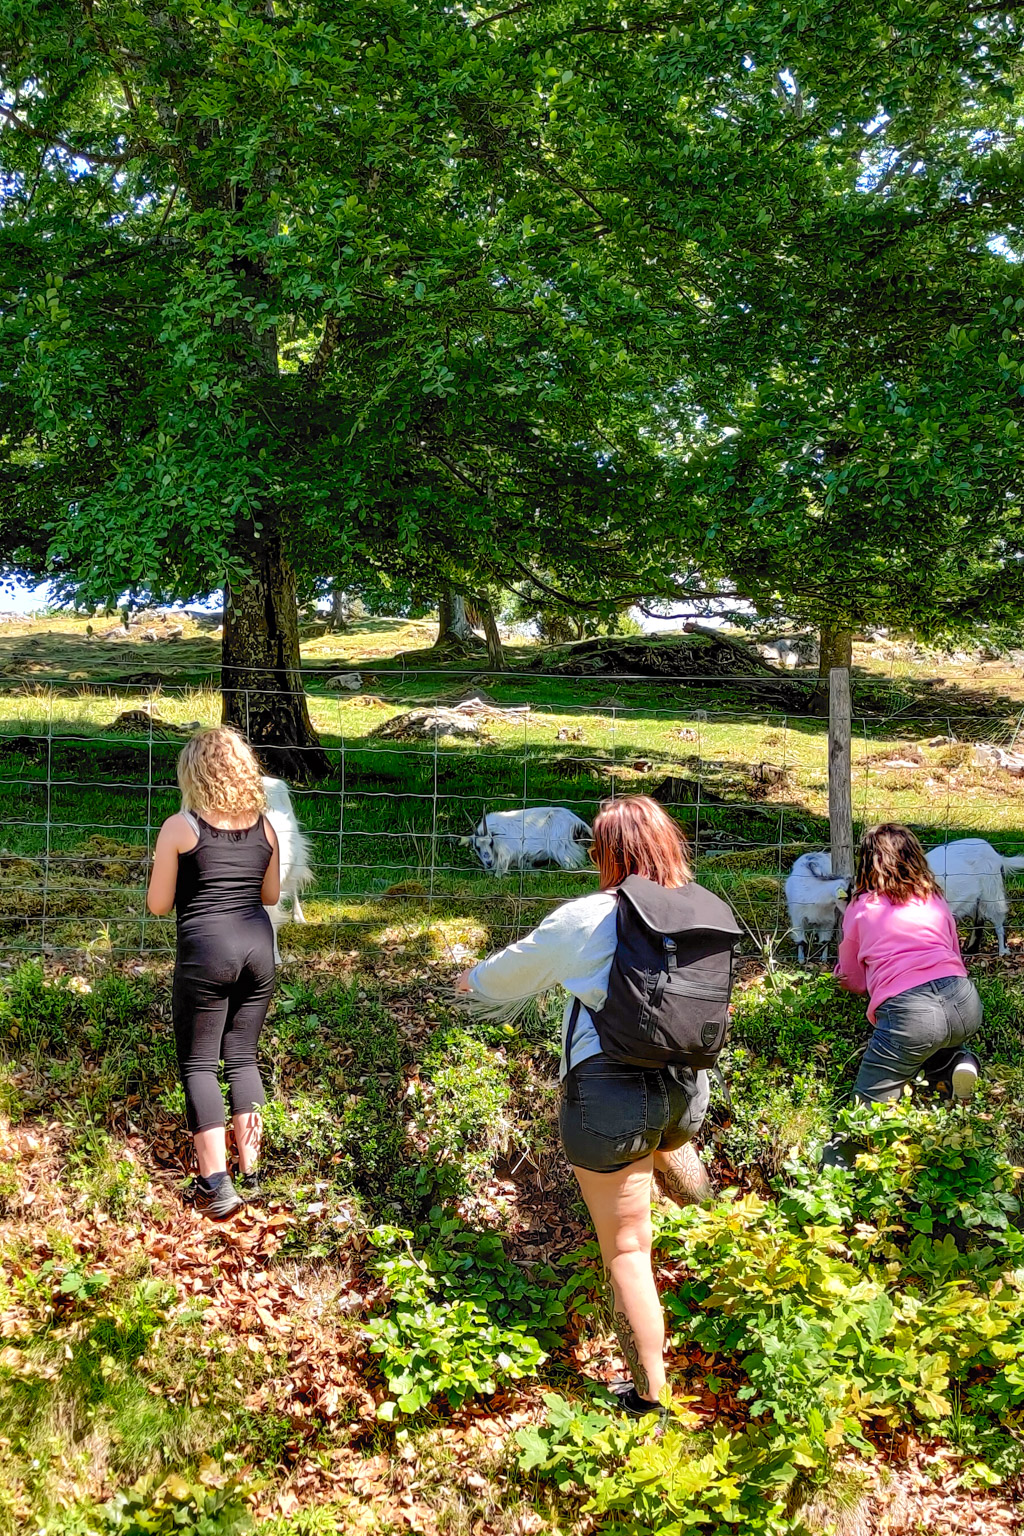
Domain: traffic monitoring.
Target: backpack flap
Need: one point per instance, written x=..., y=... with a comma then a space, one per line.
x=671, y=977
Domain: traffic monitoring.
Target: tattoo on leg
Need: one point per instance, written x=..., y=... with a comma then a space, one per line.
x=630, y=1353
x=685, y=1179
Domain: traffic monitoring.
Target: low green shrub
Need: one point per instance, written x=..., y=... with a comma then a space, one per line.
x=106, y=1175
x=84, y=1348
x=793, y=1046
x=933, y=1170
x=98, y=1325
x=1000, y=1037
x=459, y=1111
x=773, y=1115
x=333, y=1124
x=635, y=1484
x=463, y=1317
x=801, y=1023
x=156, y=1506
x=37, y=1014
x=98, y=1044
x=885, y=1293
x=340, y=1029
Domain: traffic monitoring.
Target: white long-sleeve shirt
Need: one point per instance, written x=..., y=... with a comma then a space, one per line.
x=572, y=948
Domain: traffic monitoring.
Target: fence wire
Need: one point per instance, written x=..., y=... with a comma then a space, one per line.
x=87, y=775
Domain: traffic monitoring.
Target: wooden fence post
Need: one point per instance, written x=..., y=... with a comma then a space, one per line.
x=840, y=789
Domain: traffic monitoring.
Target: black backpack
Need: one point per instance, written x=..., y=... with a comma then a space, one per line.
x=671, y=978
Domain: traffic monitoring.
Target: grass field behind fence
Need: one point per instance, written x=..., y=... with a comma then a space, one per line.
x=81, y=798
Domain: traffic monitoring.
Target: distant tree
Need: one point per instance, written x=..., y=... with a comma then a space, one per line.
x=863, y=463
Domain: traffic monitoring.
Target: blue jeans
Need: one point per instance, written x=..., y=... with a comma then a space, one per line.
x=921, y=1029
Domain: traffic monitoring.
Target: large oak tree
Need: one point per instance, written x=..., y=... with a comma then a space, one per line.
x=294, y=287
x=611, y=299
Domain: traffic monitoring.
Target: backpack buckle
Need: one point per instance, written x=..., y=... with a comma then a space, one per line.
x=670, y=951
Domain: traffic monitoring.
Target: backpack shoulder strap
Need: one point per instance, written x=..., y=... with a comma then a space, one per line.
x=574, y=1014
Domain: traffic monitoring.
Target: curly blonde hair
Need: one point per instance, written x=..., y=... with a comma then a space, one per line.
x=218, y=774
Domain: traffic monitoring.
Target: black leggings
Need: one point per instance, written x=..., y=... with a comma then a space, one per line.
x=223, y=982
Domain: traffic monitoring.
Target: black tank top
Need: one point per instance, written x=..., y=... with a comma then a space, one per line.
x=223, y=874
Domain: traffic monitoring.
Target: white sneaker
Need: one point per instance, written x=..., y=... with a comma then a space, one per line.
x=965, y=1076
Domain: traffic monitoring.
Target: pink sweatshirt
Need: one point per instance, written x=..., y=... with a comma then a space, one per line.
x=887, y=949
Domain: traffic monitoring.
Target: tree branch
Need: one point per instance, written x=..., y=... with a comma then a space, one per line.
x=478, y=490
x=690, y=613
x=619, y=598
x=513, y=10
x=325, y=351
x=118, y=258
x=55, y=143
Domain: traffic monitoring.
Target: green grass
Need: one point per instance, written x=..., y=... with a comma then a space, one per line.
x=81, y=803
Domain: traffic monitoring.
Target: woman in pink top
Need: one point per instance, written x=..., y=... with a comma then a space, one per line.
x=900, y=946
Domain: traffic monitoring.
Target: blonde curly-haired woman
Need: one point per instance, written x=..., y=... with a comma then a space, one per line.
x=217, y=863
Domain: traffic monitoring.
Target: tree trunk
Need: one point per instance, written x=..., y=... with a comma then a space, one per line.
x=452, y=622
x=836, y=650
x=261, y=676
x=338, y=608
x=495, y=654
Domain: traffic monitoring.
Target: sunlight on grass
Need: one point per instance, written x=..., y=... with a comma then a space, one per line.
x=385, y=828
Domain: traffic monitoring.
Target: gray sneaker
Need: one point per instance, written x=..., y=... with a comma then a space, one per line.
x=218, y=1203
x=248, y=1186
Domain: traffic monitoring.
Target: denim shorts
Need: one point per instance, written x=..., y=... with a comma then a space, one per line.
x=921, y=1029
x=613, y=1115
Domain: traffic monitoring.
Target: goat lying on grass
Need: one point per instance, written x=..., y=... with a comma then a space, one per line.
x=970, y=872
x=295, y=871
x=545, y=834
x=815, y=897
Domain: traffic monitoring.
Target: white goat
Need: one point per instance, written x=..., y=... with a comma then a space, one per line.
x=790, y=651
x=970, y=872
x=814, y=897
x=295, y=854
x=546, y=834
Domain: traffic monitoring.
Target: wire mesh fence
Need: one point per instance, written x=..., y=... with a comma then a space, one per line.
x=87, y=775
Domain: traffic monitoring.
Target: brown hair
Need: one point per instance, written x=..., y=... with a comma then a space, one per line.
x=218, y=774
x=635, y=836
x=891, y=862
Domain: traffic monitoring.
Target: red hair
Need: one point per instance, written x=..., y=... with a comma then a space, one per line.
x=635, y=836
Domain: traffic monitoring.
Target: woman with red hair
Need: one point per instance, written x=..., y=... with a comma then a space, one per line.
x=621, y=1125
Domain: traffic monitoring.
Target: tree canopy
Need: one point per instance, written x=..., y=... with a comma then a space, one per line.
x=870, y=468
x=621, y=300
